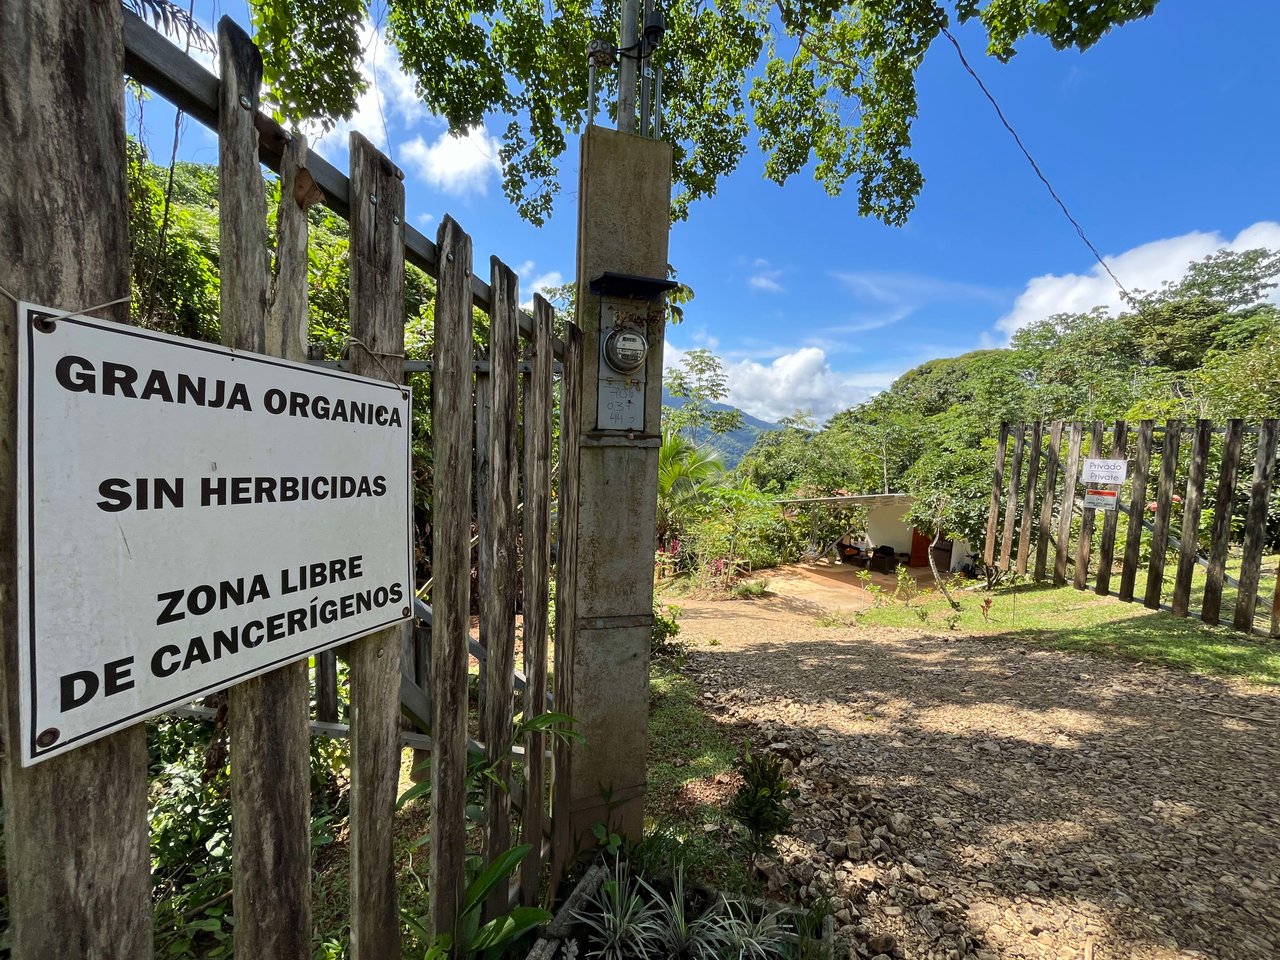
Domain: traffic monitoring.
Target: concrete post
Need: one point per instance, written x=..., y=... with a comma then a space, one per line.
x=624, y=196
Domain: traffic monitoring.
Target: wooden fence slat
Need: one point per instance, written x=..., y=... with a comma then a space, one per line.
x=1275, y=606
x=498, y=540
x=1223, y=507
x=1085, y=545
x=377, y=350
x=1190, y=538
x=997, y=485
x=270, y=776
x=1164, y=506
x=78, y=865
x=421, y=764
x=566, y=592
x=1137, y=509
x=1107, y=547
x=1067, y=509
x=537, y=573
x=483, y=411
x=1011, y=497
x=1255, y=528
x=1029, y=499
x=1046, y=506
x=327, y=686
x=451, y=568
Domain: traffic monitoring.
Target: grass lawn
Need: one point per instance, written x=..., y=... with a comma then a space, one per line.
x=688, y=750
x=681, y=733
x=1068, y=619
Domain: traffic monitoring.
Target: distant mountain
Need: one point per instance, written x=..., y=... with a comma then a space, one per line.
x=733, y=446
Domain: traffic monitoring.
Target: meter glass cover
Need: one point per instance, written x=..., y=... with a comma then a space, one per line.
x=626, y=350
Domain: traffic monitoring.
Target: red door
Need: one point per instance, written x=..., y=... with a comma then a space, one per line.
x=919, y=549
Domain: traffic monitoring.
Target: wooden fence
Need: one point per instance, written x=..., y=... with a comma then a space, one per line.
x=479, y=407
x=1165, y=529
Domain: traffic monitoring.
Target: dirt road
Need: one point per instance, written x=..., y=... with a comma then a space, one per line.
x=969, y=797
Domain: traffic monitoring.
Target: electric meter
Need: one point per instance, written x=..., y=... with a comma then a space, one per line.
x=625, y=350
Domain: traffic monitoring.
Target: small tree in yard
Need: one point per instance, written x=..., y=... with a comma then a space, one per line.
x=950, y=483
x=701, y=381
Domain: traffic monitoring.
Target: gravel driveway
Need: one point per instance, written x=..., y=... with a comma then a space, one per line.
x=968, y=797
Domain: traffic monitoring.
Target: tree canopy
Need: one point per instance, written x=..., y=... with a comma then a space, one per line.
x=827, y=83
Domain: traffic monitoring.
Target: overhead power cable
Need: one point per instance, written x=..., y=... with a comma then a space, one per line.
x=1035, y=166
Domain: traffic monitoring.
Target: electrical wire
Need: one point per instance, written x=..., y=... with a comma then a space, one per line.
x=1035, y=166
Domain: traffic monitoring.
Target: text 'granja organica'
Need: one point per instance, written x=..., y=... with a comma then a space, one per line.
x=112, y=379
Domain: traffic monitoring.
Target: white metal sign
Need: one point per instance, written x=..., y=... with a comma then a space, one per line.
x=1105, y=471
x=1100, y=499
x=190, y=516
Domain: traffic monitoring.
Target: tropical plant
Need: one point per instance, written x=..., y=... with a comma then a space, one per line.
x=828, y=88
x=738, y=528
x=685, y=474
x=666, y=628
x=468, y=938
x=700, y=381
x=620, y=921
x=749, y=932
x=685, y=935
x=172, y=19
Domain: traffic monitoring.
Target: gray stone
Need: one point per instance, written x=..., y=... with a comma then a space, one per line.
x=882, y=942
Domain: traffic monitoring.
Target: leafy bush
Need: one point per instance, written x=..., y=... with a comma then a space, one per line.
x=663, y=642
x=749, y=589
x=760, y=803
x=190, y=817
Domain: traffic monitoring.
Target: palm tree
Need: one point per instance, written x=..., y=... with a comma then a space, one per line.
x=684, y=473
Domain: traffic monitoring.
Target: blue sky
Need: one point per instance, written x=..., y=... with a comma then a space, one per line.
x=1162, y=140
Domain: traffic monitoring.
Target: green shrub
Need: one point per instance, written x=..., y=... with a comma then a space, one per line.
x=760, y=803
x=663, y=642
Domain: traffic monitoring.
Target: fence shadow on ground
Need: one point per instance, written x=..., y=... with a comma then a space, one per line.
x=1132, y=797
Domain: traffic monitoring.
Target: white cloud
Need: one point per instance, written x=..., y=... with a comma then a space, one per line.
x=425, y=219
x=454, y=164
x=766, y=281
x=765, y=278
x=886, y=297
x=1144, y=267
x=801, y=380
x=534, y=282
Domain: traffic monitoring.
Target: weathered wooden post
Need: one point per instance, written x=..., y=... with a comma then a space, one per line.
x=451, y=416
x=377, y=351
x=624, y=198
x=270, y=775
x=76, y=825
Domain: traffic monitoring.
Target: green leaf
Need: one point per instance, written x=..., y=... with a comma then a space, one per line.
x=413, y=793
x=494, y=874
x=501, y=930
